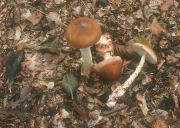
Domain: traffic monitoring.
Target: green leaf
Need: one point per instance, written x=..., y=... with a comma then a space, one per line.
x=70, y=84
x=141, y=40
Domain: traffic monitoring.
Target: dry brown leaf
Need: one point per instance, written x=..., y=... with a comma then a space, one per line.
x=171, y=59
x=93, y=4
x=54, y=16
x=178, y=35
x=20, y=46
x=97, y=101
x=143, y=1
x=139, y=14
x=159, y=124
x=156, y=29
x=38, y=85
x=166, y=5
x=35, y=18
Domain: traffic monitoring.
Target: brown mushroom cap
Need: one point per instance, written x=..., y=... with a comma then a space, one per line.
x=83, y=32
x=110, y=68
x=140, y=49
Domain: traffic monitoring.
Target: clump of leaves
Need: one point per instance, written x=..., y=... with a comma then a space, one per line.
x=70, y=84
x=12, y=62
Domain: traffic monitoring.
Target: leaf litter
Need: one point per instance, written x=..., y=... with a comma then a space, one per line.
x=37, y=97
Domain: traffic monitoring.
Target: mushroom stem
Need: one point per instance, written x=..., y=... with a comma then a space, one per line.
x=107, y=56
x=120, y=90
x=86, y=61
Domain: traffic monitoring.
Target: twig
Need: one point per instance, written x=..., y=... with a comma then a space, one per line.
x=86, y=7
x=36, y=9
x=113, y=111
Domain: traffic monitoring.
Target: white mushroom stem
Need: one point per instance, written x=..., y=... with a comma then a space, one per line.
x=120, y=90
x=86, y=61
x=107, y=56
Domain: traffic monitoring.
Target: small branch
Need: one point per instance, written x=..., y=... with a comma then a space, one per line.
x=120, y=90
x=113, y=111
x=86, y=7
x=36, y=9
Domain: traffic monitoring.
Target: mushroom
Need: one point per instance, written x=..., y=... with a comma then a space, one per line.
x=110, y=68
x=82, y=33
x=142, y=48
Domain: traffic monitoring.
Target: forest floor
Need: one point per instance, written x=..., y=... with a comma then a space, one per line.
x=32, y=37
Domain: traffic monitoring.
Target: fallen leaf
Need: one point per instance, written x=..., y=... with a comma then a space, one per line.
x=20, y=46
x=35, y=18
x=159, y=124
x=17, y=33
x=156, y=29
x=54, y=16
x=178, y=35
x=139, y=14
x=48, y=84
x=12, y=63
x=69, y=84
x=59, y=1
x=143, y=1
x=25, y=91
x=166, y=5
x=65, y=114
x=50, y=45
x=171, y=59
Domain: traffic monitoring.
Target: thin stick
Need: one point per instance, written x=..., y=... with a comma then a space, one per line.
x=86, y=7
x=113, y=111
x=120, y=90
x=36, y=9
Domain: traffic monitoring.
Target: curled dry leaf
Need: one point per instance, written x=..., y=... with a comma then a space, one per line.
x=35, y=18
x=139, y=14
x=20, y=46
x=166, y=5
x=54, y=16
x=59, y=1
x=50, y=45
x=17, y=33
x=65, y=114
x=159, y=124
x=156, y=28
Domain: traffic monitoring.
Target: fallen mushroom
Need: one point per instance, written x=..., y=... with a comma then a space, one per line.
x=110, y=68
x=83, y=33
x=142, y=48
